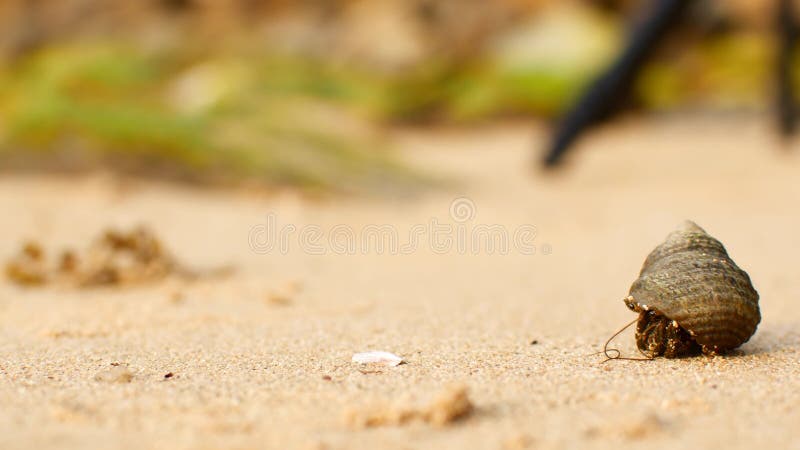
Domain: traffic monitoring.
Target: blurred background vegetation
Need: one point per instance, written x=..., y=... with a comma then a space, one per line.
x=302, y=92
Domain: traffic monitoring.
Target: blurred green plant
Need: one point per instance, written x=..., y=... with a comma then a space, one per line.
x=218, y=115
x=727, y=71
x=224, y=117
x=218, y=120
x=272, y=118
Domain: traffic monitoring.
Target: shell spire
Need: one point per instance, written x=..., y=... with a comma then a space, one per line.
x=689, y=226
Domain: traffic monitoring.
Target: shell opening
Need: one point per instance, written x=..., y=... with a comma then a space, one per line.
x=657, y=335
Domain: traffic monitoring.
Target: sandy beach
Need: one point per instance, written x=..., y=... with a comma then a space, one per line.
x=261, y=358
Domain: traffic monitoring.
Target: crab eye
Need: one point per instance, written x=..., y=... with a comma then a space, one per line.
x=630, y=303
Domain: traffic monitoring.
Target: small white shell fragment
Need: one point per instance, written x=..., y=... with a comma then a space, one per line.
x=385, y=358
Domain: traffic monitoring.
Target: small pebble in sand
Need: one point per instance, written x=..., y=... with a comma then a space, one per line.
x=284, y=295
x=278, y=299
x=169, y=375
x=383, y=358
x=450, y=406
x=177, y=297
x=294, y=286
x=115, y=374
x=519, y=442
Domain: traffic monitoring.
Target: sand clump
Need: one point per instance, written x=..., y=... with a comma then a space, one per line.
x=635, y=428
x=519, y=442
x=28, y=267
x=115, y=258
x=451, y=405
x=285, y=295
x=115, y=374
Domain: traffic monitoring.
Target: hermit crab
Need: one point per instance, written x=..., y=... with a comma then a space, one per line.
x=692, y=298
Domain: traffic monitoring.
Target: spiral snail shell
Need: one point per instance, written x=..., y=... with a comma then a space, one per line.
x=692, y=297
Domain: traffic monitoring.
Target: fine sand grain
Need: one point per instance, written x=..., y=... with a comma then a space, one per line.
x=261, y=359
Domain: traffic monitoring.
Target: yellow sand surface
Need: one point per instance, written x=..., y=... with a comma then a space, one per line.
x=262, y=358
